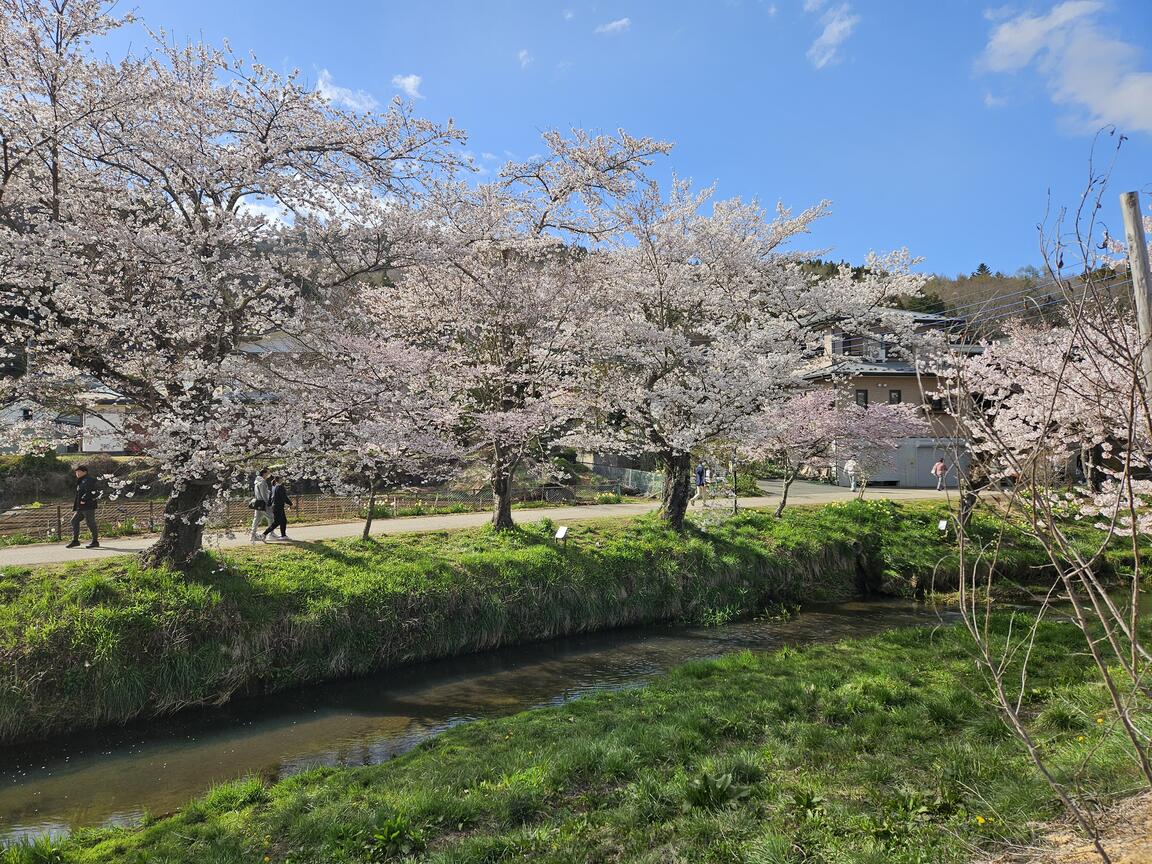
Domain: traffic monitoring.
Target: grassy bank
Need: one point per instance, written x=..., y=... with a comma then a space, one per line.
x=881, y=750
x=90, y=644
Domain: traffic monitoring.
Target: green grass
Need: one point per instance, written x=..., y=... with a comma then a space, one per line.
x=881, y=750
x=98, y=643
x=103, y=642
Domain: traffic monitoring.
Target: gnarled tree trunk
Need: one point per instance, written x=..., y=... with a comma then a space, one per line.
x=677, y=483
x=182, y=536
x=502, y=495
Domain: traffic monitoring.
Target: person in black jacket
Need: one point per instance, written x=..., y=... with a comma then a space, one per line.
x=84, y=507
x=280, y=500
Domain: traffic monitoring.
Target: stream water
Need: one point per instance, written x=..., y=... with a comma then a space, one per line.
x=114, y=777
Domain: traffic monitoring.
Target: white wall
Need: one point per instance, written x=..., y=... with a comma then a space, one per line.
x=912, y=464
x=103, y=431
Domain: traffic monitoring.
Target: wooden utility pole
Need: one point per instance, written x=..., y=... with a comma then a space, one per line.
x=1141, y=280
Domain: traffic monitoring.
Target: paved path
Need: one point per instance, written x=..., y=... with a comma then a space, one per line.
x=801, y=493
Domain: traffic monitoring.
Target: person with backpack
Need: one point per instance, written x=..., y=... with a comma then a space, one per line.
x=280, y=500
x=84, y=507
x=261, y=503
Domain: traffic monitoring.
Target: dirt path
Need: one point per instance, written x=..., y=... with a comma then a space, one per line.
x=1126, y=830
x=801, y=493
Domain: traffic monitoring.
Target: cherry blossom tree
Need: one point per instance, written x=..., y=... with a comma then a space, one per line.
x=500, y=289
x=159, y=213
x=361, y=417
x=708, y=318
x=805, y=431
x=1059, y=425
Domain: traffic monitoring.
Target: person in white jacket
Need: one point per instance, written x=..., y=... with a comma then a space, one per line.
x=852, y=469
x=261, y=491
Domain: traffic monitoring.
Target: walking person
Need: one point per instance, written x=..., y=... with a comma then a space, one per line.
x=701, y=495
x=940, y=469
x=84, y=507
x=261, y=503
x=852, y=469
x=280, y=500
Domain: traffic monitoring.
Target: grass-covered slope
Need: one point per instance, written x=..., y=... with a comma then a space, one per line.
x=881, y=750
x=89, y=644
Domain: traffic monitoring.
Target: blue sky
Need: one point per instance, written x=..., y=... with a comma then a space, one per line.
x=940, y=125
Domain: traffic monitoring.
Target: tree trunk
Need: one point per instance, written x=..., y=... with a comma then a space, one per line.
x=788, y=478
x=371, y=513
x=183, y=532
x=502, y=497
x=677, y=477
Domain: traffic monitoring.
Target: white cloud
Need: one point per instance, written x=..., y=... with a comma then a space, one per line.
x=612, y=28
x=991, y=101
x=998, y=13
x=838, y=24
x=488, y=157
x=812, y=5
x=409, y=84
x=1095, y=74
x=568, y=14
x=772, y=10
x=1015, y=42
x=357, y=100
x=525, y=57
x=271, y=211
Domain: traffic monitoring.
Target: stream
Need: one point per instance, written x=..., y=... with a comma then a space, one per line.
x=116, y=776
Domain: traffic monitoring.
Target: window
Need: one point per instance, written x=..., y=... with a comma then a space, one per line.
x=894, y=397
x=937, y=404
x=853, y=345
x=862, y=398
x=25, y=413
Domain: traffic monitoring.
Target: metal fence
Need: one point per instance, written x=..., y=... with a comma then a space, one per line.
x=642, y=482
x=51, y=521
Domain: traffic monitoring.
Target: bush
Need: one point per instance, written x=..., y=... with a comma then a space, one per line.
x=746, y=485
x=34, y=464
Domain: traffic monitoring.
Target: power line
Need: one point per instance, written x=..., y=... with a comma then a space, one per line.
x=1051, y=301
x=1031, y=289
x=1013, y=301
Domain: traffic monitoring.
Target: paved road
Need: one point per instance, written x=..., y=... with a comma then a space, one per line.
x=801, y=493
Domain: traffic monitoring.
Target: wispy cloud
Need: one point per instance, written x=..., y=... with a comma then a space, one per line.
x=838, y=24
x=568, y=14
x=357, y=100
x=612, y=28
x=1094, y=73
x=409, y=85
x=993, y=101
x=525, y=57
x=772, y=10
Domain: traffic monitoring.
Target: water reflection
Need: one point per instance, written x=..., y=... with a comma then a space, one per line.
x=115, y=777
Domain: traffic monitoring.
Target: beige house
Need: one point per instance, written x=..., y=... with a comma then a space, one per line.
x=868, y=371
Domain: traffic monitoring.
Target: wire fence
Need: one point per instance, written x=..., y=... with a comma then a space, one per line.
x=648, y=483
x=125, y=517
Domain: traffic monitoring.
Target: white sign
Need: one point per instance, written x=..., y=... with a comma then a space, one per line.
x=562, y=532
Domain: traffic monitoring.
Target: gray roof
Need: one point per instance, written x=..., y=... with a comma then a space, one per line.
x=863, y=367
